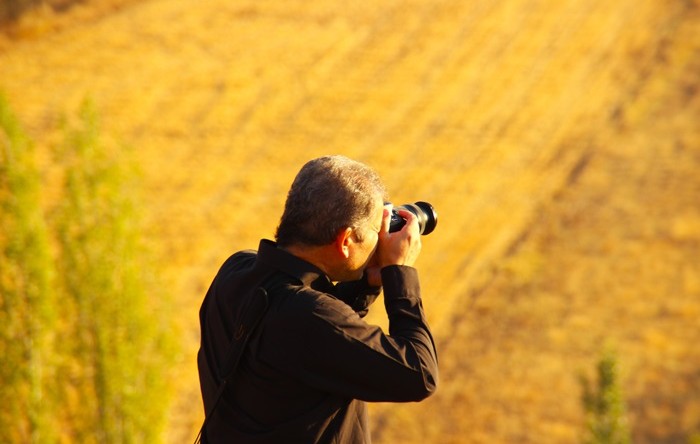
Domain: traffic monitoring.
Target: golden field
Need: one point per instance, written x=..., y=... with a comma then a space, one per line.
x=559, y=142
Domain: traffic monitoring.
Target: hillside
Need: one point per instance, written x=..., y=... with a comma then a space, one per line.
x=559, y=142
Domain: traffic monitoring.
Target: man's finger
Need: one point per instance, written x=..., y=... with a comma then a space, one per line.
x=410, y=217
x=386, y=220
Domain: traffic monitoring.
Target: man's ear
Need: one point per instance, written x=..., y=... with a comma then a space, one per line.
x=343, y=241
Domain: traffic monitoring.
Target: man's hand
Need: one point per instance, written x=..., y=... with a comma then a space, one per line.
x=401, y=247
x=398, y=248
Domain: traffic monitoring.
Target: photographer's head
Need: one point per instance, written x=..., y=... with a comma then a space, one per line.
x=334, y=202
x=328, y=194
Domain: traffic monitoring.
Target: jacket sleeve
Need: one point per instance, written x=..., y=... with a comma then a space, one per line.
x=359, y=295
x=328, y=346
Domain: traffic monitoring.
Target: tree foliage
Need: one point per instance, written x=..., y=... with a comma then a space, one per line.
x=26, y=300
x=117, y=341
x=84, y=340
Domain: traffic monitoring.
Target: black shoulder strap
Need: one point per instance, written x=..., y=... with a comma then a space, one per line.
x=251, y=314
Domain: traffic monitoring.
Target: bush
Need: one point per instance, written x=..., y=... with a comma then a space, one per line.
x=606, y=421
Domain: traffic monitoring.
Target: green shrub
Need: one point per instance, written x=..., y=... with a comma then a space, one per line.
x=606, y=421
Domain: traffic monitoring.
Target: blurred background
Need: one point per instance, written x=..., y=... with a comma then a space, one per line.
x=143, y=142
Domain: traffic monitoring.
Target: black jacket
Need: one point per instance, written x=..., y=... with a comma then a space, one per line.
x=312, y=360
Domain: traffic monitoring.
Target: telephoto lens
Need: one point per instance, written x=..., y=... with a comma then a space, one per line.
x=427, y=217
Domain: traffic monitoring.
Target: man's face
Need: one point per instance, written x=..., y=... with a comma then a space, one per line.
x=365, y=242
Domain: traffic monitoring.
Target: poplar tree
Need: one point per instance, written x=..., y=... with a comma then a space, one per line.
x=116, y=343
x=26, y=300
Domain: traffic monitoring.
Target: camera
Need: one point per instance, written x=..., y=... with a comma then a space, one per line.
x=427, y=217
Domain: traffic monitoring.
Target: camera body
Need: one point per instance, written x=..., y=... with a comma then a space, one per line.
x=426, y=214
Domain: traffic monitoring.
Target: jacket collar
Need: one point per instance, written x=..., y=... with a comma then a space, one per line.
x=305, y=272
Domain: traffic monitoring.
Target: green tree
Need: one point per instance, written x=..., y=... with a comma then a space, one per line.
x=118, y=345
x=27, y=317
x=604, y=404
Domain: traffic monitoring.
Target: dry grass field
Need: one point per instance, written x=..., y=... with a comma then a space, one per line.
x=559, y=142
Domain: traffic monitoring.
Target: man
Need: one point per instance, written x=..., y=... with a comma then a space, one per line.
x=312, y=361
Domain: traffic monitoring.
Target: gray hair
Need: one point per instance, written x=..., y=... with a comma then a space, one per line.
x=329, y=194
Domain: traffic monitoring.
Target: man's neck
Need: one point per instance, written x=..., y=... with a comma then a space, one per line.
x=320, y=256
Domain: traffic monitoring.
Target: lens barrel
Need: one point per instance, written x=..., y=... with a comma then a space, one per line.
x=426, y=214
